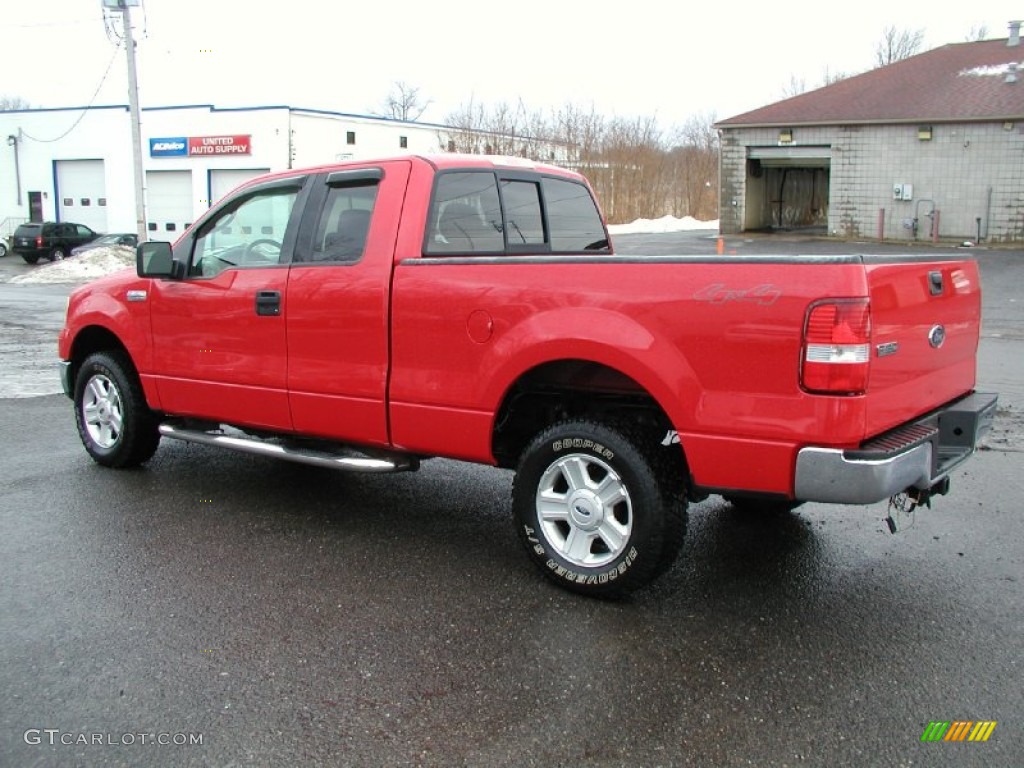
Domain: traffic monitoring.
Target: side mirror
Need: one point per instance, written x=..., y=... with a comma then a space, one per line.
x=155, y=259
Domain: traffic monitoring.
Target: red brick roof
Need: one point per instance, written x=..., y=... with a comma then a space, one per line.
x=954, y=83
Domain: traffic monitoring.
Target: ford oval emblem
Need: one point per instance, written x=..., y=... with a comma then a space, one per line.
x=936, y=336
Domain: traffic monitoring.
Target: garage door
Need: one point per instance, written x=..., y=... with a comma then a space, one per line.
x=81, y=193
x=169, y=203
x=788, y=188
x=223, y=181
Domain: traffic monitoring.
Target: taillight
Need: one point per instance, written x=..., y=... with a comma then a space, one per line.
x=39, y=241
x=837, y=347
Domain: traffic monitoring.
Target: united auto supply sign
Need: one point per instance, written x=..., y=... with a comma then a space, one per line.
x=199, y=146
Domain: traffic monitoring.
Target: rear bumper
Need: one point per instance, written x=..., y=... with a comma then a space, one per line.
x=915, y=455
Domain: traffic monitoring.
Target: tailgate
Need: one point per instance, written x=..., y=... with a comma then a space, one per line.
x=925, y=317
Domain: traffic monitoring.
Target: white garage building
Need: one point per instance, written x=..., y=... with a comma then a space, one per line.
x=75, y=164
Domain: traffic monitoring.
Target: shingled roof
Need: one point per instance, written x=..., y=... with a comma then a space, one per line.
x=955, y=83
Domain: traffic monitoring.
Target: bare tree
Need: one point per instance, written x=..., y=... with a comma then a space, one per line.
x=11, y=103
x=694, y=163
x=794, y=87
x=976, y=34
x=897, y=45
x=404, y=102
x=636, y=169
x=499, y=129
x=798, y=85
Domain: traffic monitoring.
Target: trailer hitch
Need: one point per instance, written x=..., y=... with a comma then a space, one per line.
x=903, y=505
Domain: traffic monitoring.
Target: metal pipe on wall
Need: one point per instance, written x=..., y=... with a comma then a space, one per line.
x=12, y=140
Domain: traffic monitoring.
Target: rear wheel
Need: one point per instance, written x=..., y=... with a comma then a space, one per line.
x=30, y=258
x=115, y=424
x=58, y=254
x=3, y=249
x=595, y=511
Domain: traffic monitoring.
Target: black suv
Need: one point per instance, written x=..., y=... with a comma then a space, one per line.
x=51, y=239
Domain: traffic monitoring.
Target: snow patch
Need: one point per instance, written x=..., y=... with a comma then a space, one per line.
x=994, y=70
x=664, y=224
x=94, y=263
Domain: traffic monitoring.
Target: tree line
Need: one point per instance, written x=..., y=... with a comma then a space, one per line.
x=637, y=167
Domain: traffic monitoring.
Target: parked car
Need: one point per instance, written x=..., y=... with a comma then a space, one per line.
x=3, y=247
x=50, y=239
x=129, y=239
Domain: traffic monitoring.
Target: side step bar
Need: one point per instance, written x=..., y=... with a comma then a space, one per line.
x=294, y=451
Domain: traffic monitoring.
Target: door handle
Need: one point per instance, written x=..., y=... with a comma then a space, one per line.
x=268, y=303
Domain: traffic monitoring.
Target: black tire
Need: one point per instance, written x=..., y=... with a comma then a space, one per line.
x=116, y=426
x=762, y=507
x=58, y=254
x=3, y=249
x=30, y=258
x=604, y=547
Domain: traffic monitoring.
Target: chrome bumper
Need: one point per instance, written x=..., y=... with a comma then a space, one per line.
x=916, y=455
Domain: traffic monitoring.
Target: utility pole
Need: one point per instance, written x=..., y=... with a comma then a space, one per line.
x=133, y=108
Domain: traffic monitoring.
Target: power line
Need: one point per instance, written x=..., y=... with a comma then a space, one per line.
x=85, y=110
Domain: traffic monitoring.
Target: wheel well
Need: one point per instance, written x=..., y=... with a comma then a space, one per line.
x=90, y=340
x=572, y=389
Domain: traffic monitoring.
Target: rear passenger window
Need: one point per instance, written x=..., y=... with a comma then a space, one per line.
x=466, y=215
x=480, y=212
x=523, y=222
x=573, y=218
x=345, y=222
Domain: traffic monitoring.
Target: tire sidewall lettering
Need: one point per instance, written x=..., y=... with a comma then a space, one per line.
x=582, y=444
x=603, y=577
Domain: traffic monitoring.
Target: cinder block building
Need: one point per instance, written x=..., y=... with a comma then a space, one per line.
x=931, y=147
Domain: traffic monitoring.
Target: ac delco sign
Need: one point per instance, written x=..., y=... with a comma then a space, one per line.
x=199, y=146
x=219, y=145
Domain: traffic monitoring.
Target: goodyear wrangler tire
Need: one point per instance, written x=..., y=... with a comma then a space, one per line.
x=593, y=511
x=114, y=422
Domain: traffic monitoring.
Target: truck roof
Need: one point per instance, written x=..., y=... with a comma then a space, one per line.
x=439, y=161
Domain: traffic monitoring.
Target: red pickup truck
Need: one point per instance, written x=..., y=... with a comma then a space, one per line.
x=369, y=315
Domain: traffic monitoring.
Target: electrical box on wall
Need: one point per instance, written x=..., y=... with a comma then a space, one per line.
x=902, y=191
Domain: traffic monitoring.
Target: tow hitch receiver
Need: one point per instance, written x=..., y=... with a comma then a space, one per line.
x=903, y=505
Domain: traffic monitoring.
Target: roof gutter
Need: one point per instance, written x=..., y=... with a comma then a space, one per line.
x=726, y=125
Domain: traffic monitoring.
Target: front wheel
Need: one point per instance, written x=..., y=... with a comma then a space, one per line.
x=115, y=424
x=595, y=509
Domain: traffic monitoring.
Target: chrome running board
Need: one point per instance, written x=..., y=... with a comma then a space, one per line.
x=336, y=457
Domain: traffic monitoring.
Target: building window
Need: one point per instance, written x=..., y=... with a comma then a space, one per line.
x=451, y=145
x=350, y=137
x=403, y=142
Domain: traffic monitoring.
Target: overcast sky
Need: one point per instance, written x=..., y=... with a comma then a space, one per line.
x=639, y=57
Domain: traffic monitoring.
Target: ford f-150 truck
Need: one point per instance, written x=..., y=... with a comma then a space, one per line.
x=369, y=315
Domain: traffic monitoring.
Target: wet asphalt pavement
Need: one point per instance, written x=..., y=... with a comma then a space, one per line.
x=287, y=615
